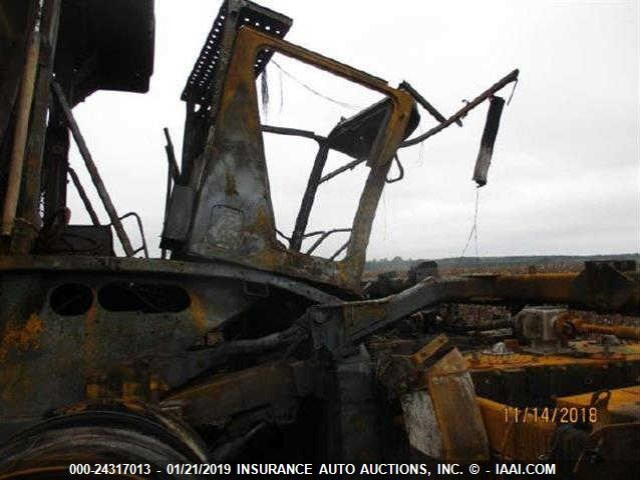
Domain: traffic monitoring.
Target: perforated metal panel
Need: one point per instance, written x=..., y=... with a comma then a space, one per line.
x=232, y=15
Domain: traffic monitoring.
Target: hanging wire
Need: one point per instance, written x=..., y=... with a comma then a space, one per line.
x=473, y=233
x=314, y=91
x=264, y=90
x=280, y=82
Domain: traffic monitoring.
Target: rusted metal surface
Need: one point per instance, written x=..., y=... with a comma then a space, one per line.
x=266, y=386
x=95, y=315
x=620, y=331
x=569, y=325
x=483, y=361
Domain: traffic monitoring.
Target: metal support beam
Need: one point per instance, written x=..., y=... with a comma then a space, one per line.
x=83, y=196
x=512, y=77
x=598, y=287
x=93, y=172
x=173, y=176
x=427, y=106
x=309, y=196
x=171, y=156
x=56, y=161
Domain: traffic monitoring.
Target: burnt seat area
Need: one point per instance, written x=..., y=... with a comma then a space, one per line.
x=355, y=136
x=93, y=240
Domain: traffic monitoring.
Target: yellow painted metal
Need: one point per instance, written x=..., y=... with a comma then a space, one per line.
x=459, y=420
x=239, y=100
x=597, y=356
x=525, y=440
x=429, y=349
x=622, y=406
x=528, y=437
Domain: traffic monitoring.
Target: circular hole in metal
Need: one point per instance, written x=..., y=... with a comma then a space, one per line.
x=71, y=299
x=143, y=297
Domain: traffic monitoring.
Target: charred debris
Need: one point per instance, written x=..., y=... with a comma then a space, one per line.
x=240, y=343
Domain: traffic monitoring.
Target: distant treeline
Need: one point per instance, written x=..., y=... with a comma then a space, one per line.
x=400, y=264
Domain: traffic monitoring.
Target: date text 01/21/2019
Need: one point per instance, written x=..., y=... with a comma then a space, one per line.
x=551, y=414
x=135, y=469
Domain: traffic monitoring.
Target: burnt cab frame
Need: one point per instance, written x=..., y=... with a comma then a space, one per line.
x=232, y=217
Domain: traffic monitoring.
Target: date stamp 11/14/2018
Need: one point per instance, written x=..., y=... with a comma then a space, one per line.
x=563, y=415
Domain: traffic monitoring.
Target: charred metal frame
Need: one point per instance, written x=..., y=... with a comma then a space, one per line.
x=225, y=185
x=340, y=327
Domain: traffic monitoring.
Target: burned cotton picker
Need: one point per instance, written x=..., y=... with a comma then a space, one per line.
x=242, y=342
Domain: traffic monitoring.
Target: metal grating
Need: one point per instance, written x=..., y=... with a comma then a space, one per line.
x=201, y=82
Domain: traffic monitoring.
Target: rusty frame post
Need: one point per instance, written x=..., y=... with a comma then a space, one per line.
x=21, y=132
x=173, y=176
x=56, y=160
x=83, y=196
x=309, y=196
x=171, y=156
x=28, y=209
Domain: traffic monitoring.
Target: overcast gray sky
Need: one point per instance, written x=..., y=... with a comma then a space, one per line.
x=565, y=177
